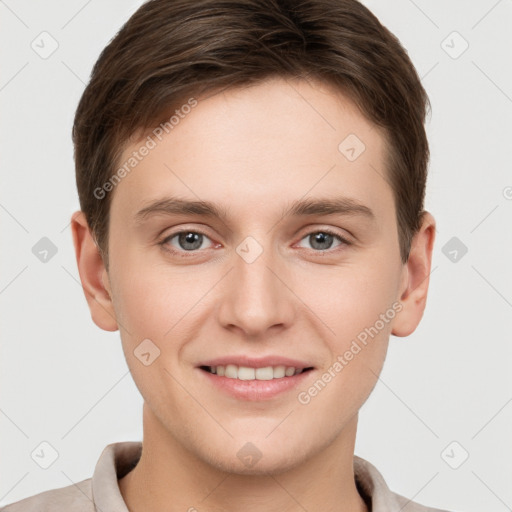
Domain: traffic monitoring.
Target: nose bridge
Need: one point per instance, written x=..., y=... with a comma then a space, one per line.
x=255, y=298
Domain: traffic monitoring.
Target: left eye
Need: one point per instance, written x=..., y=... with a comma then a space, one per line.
x=322, y=240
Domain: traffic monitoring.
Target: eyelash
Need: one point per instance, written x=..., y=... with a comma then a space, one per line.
x=187, y=254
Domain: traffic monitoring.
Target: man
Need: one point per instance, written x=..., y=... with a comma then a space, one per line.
x=251, y=178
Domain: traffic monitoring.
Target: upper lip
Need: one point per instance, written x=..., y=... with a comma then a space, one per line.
x=256, y=362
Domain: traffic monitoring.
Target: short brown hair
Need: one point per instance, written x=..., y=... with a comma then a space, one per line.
x=169, y=51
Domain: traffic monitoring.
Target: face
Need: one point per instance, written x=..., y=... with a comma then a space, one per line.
x=269, y=277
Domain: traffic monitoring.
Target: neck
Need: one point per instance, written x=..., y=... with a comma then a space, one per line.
x=168, y=477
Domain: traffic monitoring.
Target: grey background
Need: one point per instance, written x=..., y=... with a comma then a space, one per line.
x=65, y=382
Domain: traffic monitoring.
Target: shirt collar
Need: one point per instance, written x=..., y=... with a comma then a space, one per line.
x=117, y=459
x=373, y=488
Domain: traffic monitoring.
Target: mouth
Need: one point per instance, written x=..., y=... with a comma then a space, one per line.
x=247, y=377
x=247, y=373
x=251, y=384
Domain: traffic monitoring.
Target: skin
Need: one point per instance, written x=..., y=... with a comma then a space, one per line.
x=254, y=150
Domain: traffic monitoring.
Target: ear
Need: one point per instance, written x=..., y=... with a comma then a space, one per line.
x=415, y=278
x=93, y=275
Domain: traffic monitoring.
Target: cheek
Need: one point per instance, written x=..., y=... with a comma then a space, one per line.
x=350, y=298
x=152, y=300
x=357, y=306
x=154, y=308
x=356, y=302
x=161, y=309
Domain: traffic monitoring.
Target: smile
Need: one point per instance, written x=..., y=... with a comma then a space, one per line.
x=232, y=371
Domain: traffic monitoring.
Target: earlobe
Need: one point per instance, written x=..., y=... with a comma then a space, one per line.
x=415, y=279
x=93, y=275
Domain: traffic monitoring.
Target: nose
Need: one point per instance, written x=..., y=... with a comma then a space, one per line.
x=256, y=295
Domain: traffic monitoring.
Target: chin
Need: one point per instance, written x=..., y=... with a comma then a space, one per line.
x=255, y=457
x=263, y=467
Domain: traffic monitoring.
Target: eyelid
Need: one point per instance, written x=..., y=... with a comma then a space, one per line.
x=325, y=228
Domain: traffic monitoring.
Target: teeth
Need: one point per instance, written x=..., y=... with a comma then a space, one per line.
x=232, y=371
x=267, y=373
x=245, y=373
x=290, y=371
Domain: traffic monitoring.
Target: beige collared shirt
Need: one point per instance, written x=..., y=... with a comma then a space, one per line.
x=101, y=492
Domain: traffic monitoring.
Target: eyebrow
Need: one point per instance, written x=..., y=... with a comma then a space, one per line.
x=329, y=206
x=176, y=206
x=299, y=208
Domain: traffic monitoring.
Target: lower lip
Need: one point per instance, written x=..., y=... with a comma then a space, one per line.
x=255, y=390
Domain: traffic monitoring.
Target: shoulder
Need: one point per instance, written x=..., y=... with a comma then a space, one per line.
x=375, y=491
x=73, y=498
x=100, y=492
x=407, y=505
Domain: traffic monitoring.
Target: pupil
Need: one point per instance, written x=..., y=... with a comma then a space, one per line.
x=190, y=238
x=324, y=239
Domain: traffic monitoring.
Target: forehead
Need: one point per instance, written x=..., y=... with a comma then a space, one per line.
x=260, y=147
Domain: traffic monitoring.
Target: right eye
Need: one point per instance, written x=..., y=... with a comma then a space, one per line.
x=186, y=241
